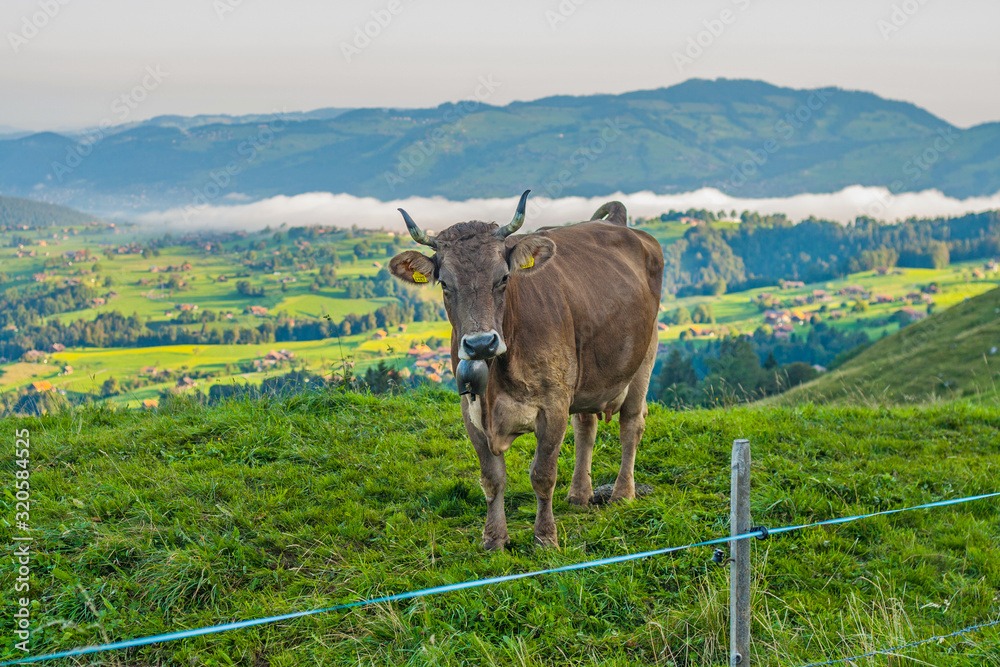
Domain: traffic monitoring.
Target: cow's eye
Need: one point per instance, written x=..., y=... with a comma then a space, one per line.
x=502, y=282
x=444, y=287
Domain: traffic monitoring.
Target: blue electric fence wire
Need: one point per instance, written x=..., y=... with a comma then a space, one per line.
x=902, y=647
x=197, y=632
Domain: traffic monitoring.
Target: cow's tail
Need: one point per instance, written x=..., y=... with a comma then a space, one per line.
x=613, y=212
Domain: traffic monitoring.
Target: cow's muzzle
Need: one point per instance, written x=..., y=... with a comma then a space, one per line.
x=481, y=346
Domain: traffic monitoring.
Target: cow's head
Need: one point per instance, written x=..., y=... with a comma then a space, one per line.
x=473, y=262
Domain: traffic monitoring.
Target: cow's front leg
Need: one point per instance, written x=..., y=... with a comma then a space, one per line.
x=493, y=479
x=550, y=427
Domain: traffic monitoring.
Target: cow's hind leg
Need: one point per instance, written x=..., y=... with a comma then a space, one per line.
x=493, y=479
x=584, y=435
x=632, y=424
x=550, y=427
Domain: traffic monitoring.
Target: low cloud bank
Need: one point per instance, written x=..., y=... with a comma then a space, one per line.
x=436, y=213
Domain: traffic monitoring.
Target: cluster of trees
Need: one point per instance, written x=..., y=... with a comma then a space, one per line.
x=765, y=249
x=245, y=288
x=736, y=375
x=25, y=307
x=16, y=213
x=680, y=316
x=380, y=379
x=744, y=368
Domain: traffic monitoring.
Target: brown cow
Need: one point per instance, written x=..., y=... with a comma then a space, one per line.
x=563, y=320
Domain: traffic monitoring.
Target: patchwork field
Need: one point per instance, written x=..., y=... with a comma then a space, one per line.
x=287, y=278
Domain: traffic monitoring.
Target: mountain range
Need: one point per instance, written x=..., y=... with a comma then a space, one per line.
x=746, y=138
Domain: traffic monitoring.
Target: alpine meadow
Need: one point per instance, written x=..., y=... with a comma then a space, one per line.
x=292, y=373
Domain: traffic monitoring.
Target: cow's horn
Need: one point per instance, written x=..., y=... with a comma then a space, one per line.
x=518, y=220
x=419, y=235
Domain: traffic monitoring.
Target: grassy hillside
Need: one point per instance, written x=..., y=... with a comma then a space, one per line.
x=696, y=134
x=951, y=354
x=151, y=521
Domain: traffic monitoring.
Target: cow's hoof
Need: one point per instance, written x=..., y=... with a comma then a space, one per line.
x=495, y=543
x=546, y=540
x=579, y=499
x=546, y=536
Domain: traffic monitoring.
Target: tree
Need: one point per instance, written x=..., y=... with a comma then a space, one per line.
x=110, y=388
x=940, y=257
x=703, y=314
x=677, y=369
x=680, y=316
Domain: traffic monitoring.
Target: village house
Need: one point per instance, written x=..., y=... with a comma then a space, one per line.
x=913, y=313
x=257, y=311
x=777, y=316
x=699, y=331
x=41, y=386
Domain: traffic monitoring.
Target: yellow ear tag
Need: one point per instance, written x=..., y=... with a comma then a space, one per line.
x=529, y=263
x=419, y=277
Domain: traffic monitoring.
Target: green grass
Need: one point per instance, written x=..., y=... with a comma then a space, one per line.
x=147, y=522
x=954, y=354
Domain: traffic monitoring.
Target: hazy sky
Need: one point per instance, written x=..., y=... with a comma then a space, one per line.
x=244, y=56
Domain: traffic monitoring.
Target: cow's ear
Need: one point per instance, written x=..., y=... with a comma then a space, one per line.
x=412, y=267
x=530, y=253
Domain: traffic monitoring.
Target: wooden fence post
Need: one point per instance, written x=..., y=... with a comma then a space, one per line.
x=739, y=553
